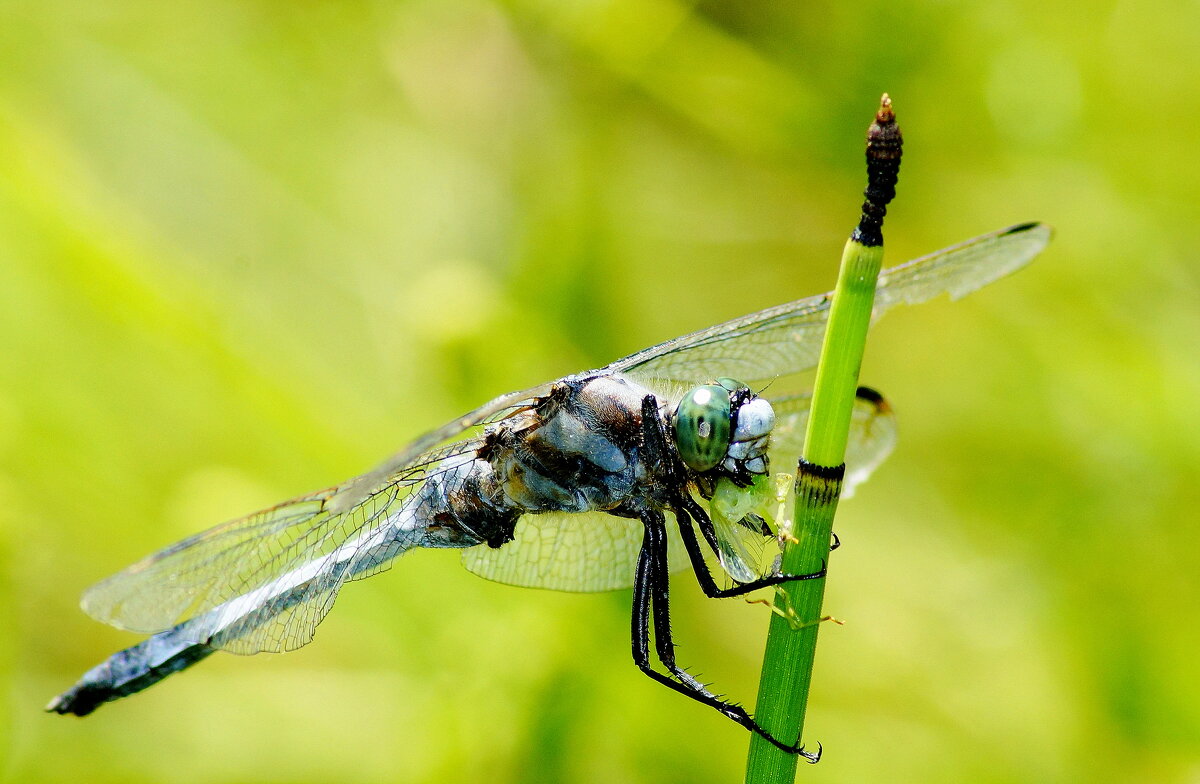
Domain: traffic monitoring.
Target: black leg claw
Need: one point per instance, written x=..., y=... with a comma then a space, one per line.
x=817, y=575
x=798, y=748
x=742, y=717
x=837, y=542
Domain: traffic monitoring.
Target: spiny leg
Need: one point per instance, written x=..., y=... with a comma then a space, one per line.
x=701, y=520
x=687, y=511
x=654, y=546
x=643, y=595
x=651, y=599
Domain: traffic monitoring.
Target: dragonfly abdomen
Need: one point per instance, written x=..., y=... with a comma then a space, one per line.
x=130, y=671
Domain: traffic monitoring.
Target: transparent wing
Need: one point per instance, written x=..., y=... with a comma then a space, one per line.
x=354, y=491
x=872, y=435
x=747, y=550
x=743, y=539
x=963, y=268
x=264, y=582
x=787, y=338
x=588, y=551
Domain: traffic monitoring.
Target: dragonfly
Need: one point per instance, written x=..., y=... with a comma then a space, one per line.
x=596, y=481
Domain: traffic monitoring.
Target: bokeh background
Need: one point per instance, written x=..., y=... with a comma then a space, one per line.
x=247, y=249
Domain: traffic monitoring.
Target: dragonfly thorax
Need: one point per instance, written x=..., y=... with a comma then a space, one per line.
x=576, y=451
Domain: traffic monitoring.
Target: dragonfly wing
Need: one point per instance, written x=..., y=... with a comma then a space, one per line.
x=787, y=338
x=741, y=550
x=872, y=435
x=264, y=582
x=583, y=551
x=755, y=348
x=354, y=491
x=963, y=268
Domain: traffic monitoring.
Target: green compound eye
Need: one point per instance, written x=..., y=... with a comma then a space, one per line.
x=702, y=427
x=730, y=384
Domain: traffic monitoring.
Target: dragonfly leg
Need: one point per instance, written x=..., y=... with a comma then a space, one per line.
x=651, y=604
x=659, y=453
x=686, y=513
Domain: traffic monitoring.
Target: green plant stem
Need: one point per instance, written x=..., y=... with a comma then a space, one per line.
x=791, y=642
x=790, y=651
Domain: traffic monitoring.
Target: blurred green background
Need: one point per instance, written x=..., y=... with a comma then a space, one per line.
x=247, y=249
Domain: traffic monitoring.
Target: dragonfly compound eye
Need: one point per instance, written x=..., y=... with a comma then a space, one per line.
x=702, y=427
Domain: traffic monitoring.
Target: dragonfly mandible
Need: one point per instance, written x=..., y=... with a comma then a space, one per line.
x=577, y=484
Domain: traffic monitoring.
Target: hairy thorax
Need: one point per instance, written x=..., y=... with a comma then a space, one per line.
x=578, y=450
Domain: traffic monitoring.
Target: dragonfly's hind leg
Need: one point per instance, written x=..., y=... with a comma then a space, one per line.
x=651, y=603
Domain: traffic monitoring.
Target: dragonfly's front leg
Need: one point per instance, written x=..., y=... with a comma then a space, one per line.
x=658, y=453
x=651, y=600
x=684, y=515
x=687, y=511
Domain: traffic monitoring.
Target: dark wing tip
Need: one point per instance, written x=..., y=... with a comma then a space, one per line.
x=1020, y=227
x=874, y=398
x=1028, y=226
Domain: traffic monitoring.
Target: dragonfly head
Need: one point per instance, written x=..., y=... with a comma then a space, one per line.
x=724, y=425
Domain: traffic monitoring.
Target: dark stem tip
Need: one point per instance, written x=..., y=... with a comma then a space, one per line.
x=884, y=147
